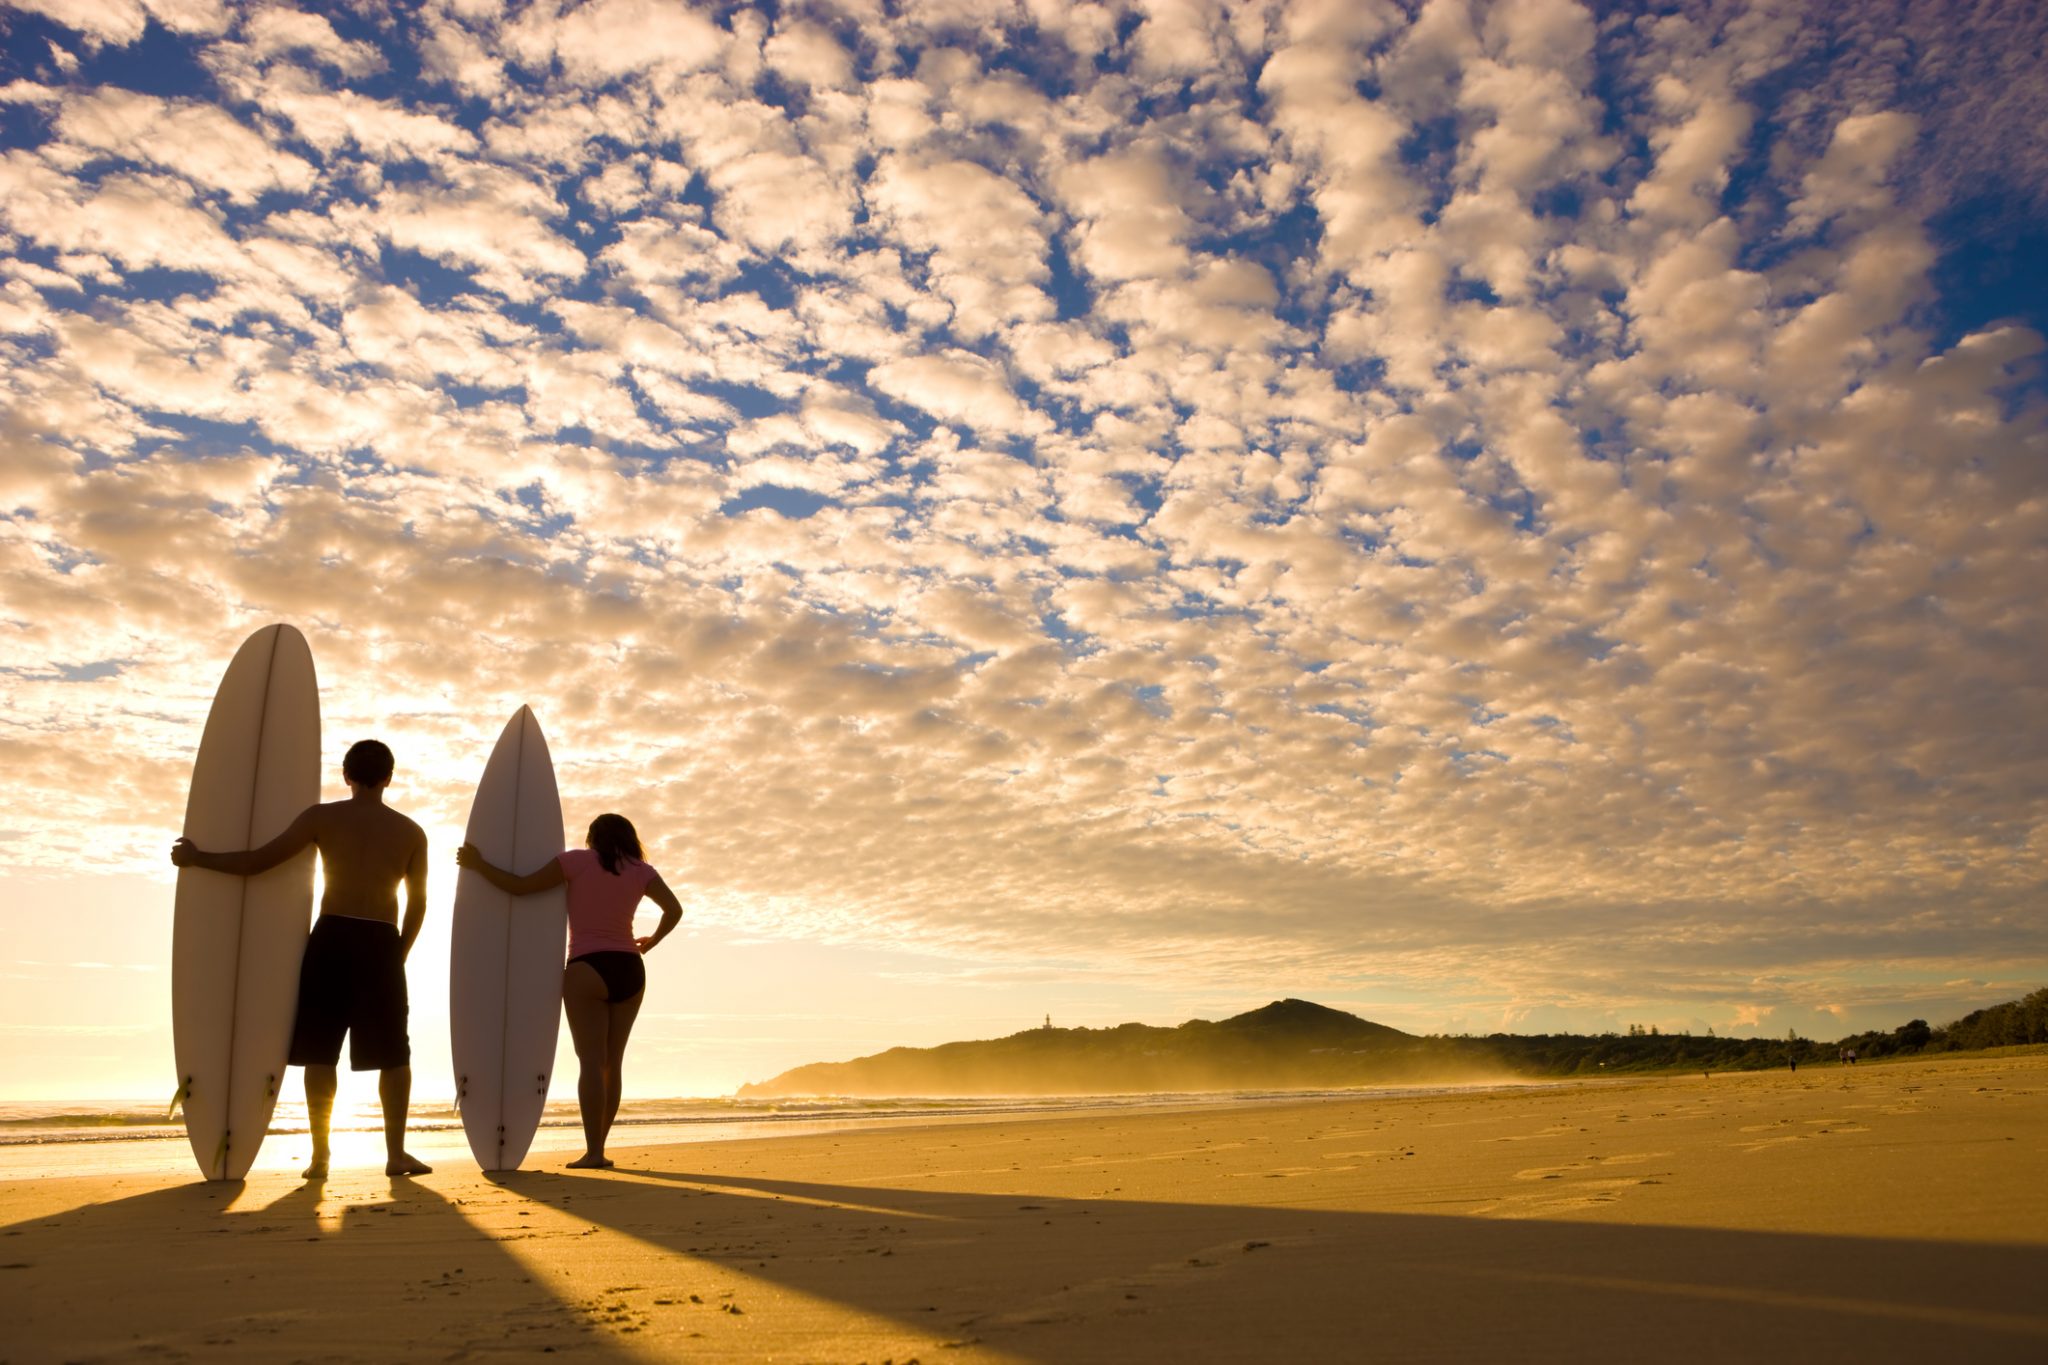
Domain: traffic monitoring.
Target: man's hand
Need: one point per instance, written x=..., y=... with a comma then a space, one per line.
x=185, y=853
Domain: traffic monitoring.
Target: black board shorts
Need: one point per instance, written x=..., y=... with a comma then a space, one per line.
x=352, y=981
x=624, y=974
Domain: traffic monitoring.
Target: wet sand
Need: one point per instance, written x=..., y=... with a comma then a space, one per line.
x=1876, y=1213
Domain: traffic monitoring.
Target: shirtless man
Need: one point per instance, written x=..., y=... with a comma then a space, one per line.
x=353, y=976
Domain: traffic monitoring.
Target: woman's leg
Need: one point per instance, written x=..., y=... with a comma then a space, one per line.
x=623, y=1013
x=589, y=1028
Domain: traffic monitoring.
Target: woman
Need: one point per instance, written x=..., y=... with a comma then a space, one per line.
x=604, y=981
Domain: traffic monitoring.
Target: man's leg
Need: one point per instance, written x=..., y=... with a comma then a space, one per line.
x=316, y=1034
x=394, y=1089
x=378, y=1039
x=320, y=1086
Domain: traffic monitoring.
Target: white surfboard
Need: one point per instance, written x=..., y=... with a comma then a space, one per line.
x=236, y=941
x=505, y=953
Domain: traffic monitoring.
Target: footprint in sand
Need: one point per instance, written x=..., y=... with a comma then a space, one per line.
x=1572, y=1198
x=1544, y=1133
x=1767, y=1143
x=1590, y=1163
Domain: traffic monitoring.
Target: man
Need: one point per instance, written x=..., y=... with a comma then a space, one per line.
x=353, y=976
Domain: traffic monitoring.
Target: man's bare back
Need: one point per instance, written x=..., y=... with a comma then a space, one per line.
x=366, y=850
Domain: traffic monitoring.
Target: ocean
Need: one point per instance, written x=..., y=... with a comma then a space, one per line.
x=40, y=1138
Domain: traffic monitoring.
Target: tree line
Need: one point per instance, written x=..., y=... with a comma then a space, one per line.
x=2017, y=1021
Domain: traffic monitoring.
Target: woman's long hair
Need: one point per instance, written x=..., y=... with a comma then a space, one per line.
x=613, y=839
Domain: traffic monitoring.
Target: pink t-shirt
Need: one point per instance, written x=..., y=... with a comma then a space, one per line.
x=601, y=903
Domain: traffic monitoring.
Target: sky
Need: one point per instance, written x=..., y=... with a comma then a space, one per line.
x=1495, y=517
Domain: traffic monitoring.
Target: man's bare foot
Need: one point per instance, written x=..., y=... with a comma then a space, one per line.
x=591, y=1161
x=405, y=1163
x=316, y=1171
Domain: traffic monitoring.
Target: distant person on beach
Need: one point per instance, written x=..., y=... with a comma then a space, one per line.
x=605, y=980
x=352, y=979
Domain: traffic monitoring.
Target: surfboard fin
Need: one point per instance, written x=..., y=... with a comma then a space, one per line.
x=184, y=1091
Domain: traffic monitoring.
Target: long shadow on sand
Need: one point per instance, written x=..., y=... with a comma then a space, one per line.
x=376, y=1272
x=1061, y=1279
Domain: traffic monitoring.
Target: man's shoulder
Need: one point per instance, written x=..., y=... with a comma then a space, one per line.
x=396, y=823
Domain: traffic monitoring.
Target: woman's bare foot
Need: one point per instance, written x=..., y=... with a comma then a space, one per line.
x=405, y=1163
x=591, y=1161
x=316, y=1171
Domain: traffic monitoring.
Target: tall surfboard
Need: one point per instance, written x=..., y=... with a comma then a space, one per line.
x=236, y=941
x=505, y=953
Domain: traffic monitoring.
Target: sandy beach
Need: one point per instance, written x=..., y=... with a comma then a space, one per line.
x=1894, y=1212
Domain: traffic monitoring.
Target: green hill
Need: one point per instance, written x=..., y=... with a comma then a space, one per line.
x=1299, y=1045
x=1289, y=1044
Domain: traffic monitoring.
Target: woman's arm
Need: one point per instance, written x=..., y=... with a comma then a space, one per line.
x=543, y=878
x=248, y=862
x=671, y=912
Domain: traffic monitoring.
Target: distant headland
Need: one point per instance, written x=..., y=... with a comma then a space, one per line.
x=1299, y=1045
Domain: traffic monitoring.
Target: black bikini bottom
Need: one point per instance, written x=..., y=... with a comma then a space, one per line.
x=625, y=975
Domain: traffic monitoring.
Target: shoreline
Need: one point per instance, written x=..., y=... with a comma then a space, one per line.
x=1893, y=1213
x=439, y=1139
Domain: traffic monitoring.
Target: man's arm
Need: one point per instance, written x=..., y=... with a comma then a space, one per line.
x=415, y=893
x=671, y=912
x=298, y=835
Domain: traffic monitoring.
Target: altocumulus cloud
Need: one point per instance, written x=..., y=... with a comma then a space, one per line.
x=1292, y=493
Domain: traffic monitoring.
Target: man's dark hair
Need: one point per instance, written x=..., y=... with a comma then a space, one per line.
x=368, y=763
